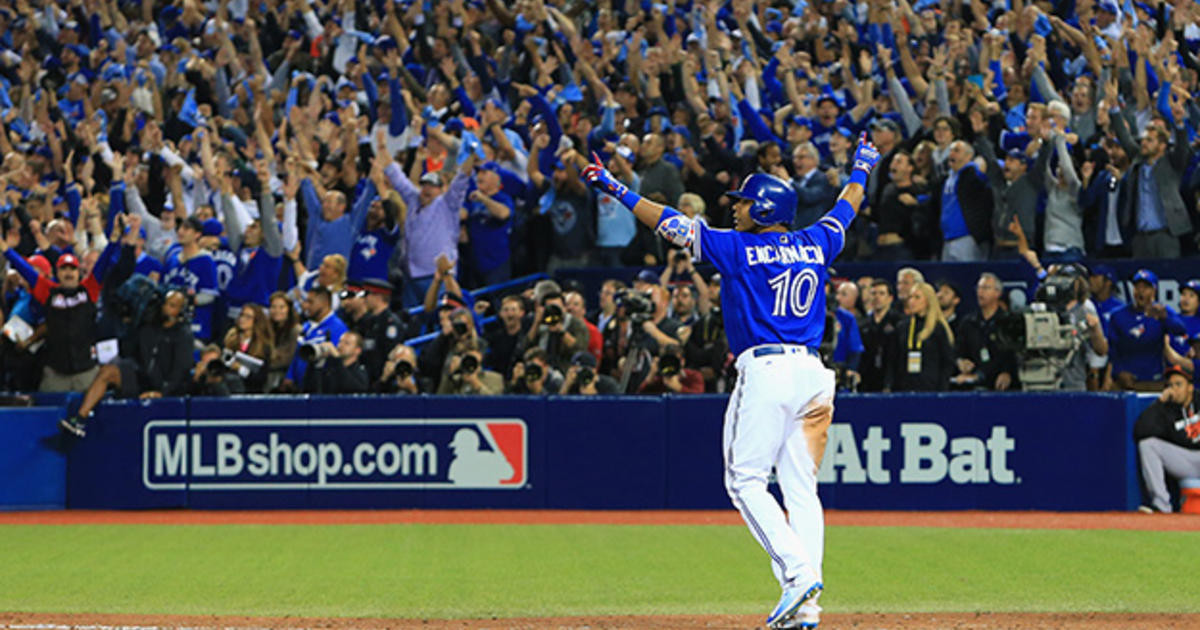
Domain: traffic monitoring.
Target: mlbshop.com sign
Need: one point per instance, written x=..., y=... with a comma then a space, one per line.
x=265, y=455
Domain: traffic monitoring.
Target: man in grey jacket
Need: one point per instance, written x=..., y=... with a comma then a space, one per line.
x=1159, y=213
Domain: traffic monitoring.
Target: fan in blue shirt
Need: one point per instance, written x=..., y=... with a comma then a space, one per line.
x=191, y=270
x=1136, y=331
x=259, y=248
x=376, y=223
x=321, y=324
x=489, y=222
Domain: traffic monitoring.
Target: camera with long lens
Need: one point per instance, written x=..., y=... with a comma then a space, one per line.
x=552, y=315
x=585, y=376
x=404, y=369
x=466, y=367
x=669, y=365
x=637, y=307
x=312, y=351
x=1043, y=336
x=533, y=372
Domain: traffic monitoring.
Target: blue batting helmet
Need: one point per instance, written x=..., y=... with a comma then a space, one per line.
x=774, y=199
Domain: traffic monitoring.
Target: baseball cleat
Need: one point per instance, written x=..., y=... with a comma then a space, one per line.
x=73, y=425
x=790, y=602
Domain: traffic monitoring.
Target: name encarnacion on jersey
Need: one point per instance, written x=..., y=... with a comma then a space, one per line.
x=787, y=254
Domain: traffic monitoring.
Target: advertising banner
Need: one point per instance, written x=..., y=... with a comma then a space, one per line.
x=911, y=452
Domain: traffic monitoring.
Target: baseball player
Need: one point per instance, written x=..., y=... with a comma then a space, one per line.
x=774, y=299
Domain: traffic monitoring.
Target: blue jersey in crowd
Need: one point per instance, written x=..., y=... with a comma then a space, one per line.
x=849, y=339
x=196, y=276
x=1181, y=337
x=371, y=253
x=489, y=235
x=1135, y=343
x=254, y=279
x=329, y=329
x=773, y=283
x=147, y=264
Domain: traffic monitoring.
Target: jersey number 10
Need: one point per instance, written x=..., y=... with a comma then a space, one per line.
x=797, y=292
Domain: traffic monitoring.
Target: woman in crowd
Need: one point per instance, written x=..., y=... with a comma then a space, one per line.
x=252, y=335
x=925, y=358
x=285, y=330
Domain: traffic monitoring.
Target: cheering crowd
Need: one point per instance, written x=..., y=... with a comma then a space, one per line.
x=226, y=196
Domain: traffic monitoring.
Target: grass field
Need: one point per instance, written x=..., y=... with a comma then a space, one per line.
x=459, y=571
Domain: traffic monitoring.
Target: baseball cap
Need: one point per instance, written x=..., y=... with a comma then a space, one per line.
x=844, y=131
x=885, y=123
x=212, y=227
x=1177, y=369
x=625, y=152
x=1145, y=275
x=648, y=276
x=1105, y=271
x=351, y=292
x=68, y=260
x=490, y=166
x=1193, y=284
x=431, y=178
x=584, y=359
x=39, y=262
x=1109, y=6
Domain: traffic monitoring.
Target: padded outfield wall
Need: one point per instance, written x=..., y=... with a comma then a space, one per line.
x=911, y=452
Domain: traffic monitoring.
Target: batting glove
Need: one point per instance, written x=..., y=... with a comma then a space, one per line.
x=602, y=180
x=866, y=156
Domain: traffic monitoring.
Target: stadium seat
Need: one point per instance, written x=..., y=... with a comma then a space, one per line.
x=1190, y=499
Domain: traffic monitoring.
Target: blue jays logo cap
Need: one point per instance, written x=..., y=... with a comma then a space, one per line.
x=1193, y=284
x=1145, y=275
x=1104, y=270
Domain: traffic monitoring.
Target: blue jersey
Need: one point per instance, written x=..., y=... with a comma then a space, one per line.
x=197, y=276
x=329, y=329
x=772, y=283
x=849, y=338
x=147, y=264
x=1181, y=337
x=489, y=235
x=370, y=255
x=226, y=262
x=254, y=279
x=1135, y=343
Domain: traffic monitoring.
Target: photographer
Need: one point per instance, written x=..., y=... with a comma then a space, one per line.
x=157, y=365
x=640, y=328
x=457, y=332
x=400, y=373
x=321, y=325
x=708, y=349
x=668, y=375
x=556, y=331
x=534, y=375
x=465, y=373
x=336, y=369
x=583, y=380
x=689, y=295
x=505, y=335
x=212, y=376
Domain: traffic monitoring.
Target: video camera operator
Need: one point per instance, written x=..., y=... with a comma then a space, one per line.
x=556, y=331
x=336, y=369
x=535, y=375
x=582, y=378
x=465, y=373
x=634, y=336
x=670, y=375
x=1066, y=290
x=400, y=373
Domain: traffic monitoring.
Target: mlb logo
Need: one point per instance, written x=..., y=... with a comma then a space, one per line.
x=489, y=454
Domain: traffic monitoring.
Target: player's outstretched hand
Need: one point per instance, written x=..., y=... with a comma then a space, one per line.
x=602, y=180
x=866, y=156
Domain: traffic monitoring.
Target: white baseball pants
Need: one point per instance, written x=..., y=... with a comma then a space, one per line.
x=764, y=429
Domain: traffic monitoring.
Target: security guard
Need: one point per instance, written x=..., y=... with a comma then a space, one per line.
x=381, y=329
